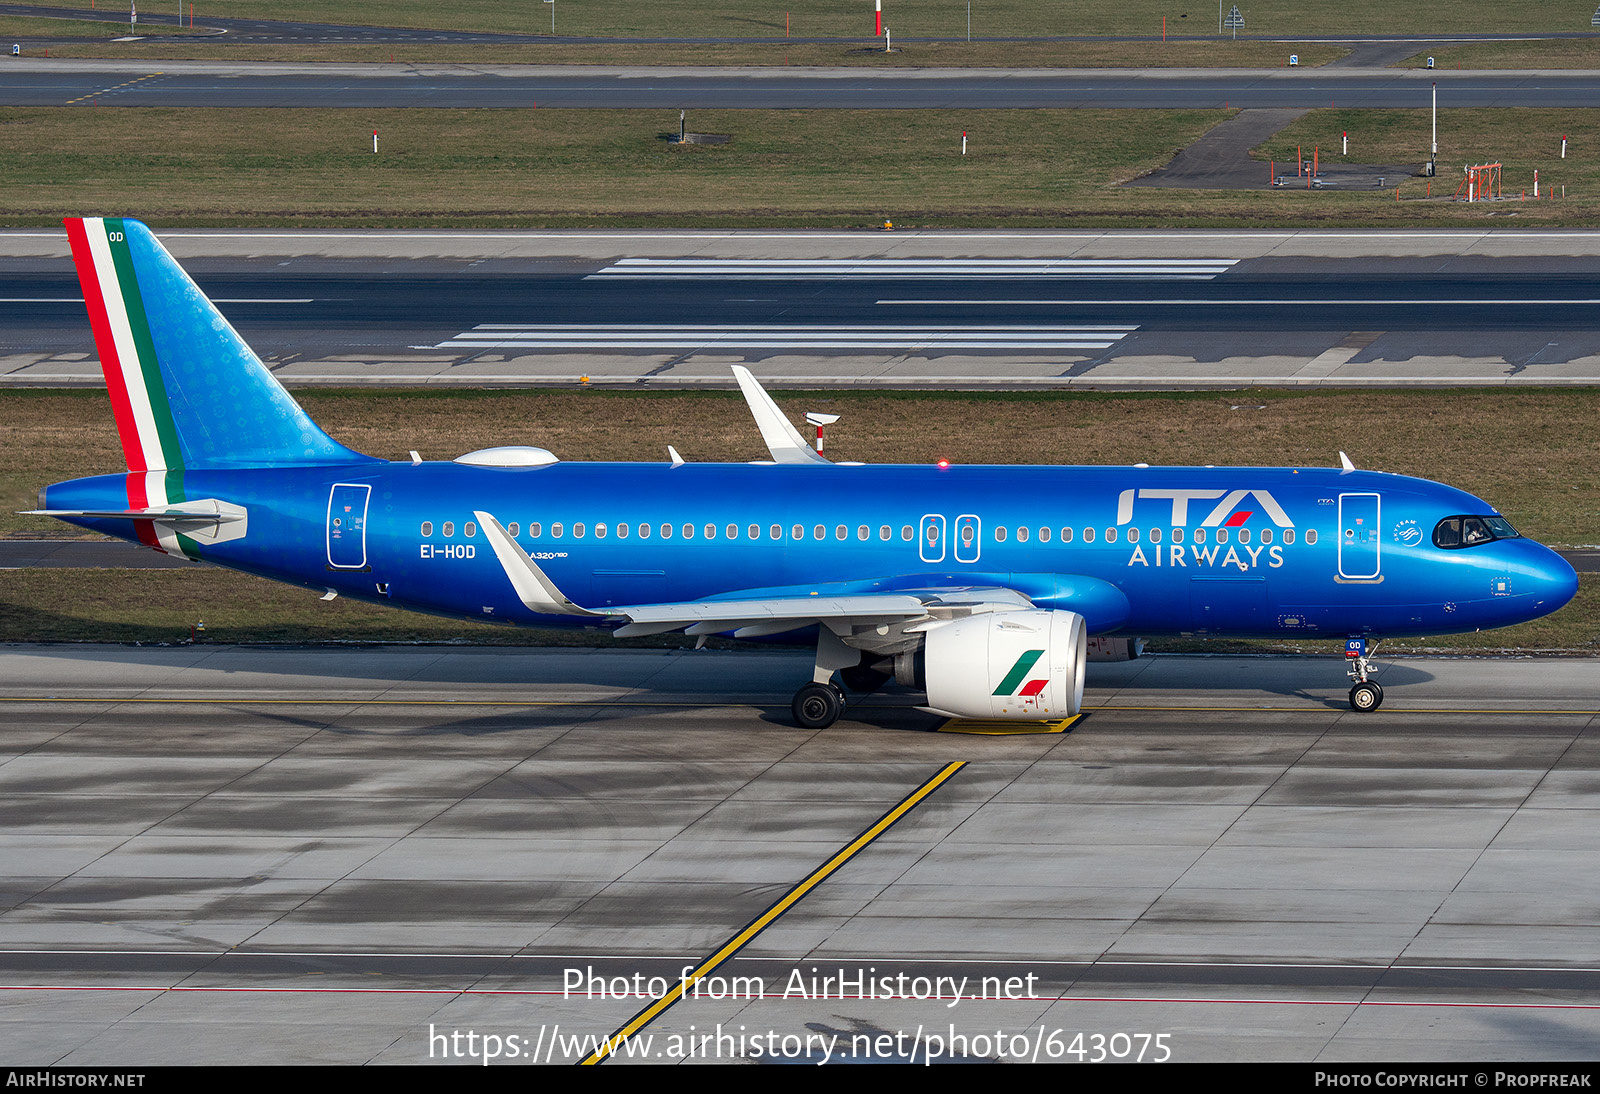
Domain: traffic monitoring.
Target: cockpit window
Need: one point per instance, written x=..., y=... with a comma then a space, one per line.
x=1468, y=531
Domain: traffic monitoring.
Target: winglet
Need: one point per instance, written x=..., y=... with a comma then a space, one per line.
x=781, y=437
x=533, y=588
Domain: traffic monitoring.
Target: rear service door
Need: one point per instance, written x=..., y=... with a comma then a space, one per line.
x=347, y=526
x=1358, y=536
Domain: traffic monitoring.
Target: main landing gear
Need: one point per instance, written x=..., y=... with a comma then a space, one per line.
x=818, y=704
x=1366, y=695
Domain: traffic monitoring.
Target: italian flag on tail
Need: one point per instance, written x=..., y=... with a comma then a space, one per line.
x=133, y=375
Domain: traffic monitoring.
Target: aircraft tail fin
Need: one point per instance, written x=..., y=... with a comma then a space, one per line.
x=186, y=390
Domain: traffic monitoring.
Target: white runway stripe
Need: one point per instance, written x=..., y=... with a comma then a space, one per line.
x=1175, y=269
x=799, y=337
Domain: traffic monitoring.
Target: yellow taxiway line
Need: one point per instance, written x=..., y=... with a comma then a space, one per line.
x=768, y=917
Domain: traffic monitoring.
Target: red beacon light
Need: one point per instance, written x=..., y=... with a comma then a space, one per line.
x=944, y=463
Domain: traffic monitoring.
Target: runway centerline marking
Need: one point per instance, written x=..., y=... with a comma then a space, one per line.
x=770, y=916
x=615, y=336
x=1298, y=302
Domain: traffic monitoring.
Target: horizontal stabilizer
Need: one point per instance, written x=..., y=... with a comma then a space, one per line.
x=171, y=516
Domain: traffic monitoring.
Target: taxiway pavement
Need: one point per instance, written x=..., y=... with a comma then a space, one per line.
x=226, y=855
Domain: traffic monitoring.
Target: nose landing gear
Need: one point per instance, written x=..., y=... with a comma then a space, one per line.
x=1366, y=695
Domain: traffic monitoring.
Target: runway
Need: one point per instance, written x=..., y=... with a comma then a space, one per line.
x=976, y=310
x=27, y=81
x=226, y=855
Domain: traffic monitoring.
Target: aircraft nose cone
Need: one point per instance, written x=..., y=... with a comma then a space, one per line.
x=1556, y=582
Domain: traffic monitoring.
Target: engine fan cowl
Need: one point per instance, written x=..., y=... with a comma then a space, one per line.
x=1016, y=666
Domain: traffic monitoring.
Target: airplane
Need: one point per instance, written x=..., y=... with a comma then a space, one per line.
x=977, y=586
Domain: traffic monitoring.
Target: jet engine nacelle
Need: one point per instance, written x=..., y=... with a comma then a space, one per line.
x=1021, y=665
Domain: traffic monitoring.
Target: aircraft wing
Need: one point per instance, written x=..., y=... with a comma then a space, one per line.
x=751, y=615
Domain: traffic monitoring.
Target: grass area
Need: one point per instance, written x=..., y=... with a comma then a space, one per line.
x=1548, y=53
x=784, y=168
x=162, y=606
x=1203, y=54
x=1531, y=453
x=927, y=18
x=1522, y=140
x=571, y=167
x=15, y=27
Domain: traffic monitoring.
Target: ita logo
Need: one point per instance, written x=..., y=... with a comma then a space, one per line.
x=1029, y=692
x=1407, y=533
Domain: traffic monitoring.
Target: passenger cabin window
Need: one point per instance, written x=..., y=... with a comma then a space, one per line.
x=1111, y=535
x=469, y=529
x=449, y=528
x=535, y=529
x=1066, y=535
x=884, y=532
x=906, y=533
x=644, y=531
x=1133, y=535
x=511, y=529
x=427, y=527
x=1044, y=535
x=1000, y=534
x=666, y=531
x=1288, y=535
x=1088, y=535
x=1022, y=535
x=622, y=531
x=1177, y=535
x=578, y=530
x=1311, y=537
x=599, y=531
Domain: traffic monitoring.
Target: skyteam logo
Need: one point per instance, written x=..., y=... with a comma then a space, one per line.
x=1408, y=533
x=1225, y=514
x=1029, y=692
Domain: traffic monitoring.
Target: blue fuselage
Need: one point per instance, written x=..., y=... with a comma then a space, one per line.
x=1157, y=550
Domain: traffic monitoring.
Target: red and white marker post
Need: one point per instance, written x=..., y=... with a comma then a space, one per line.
x=877, y=26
